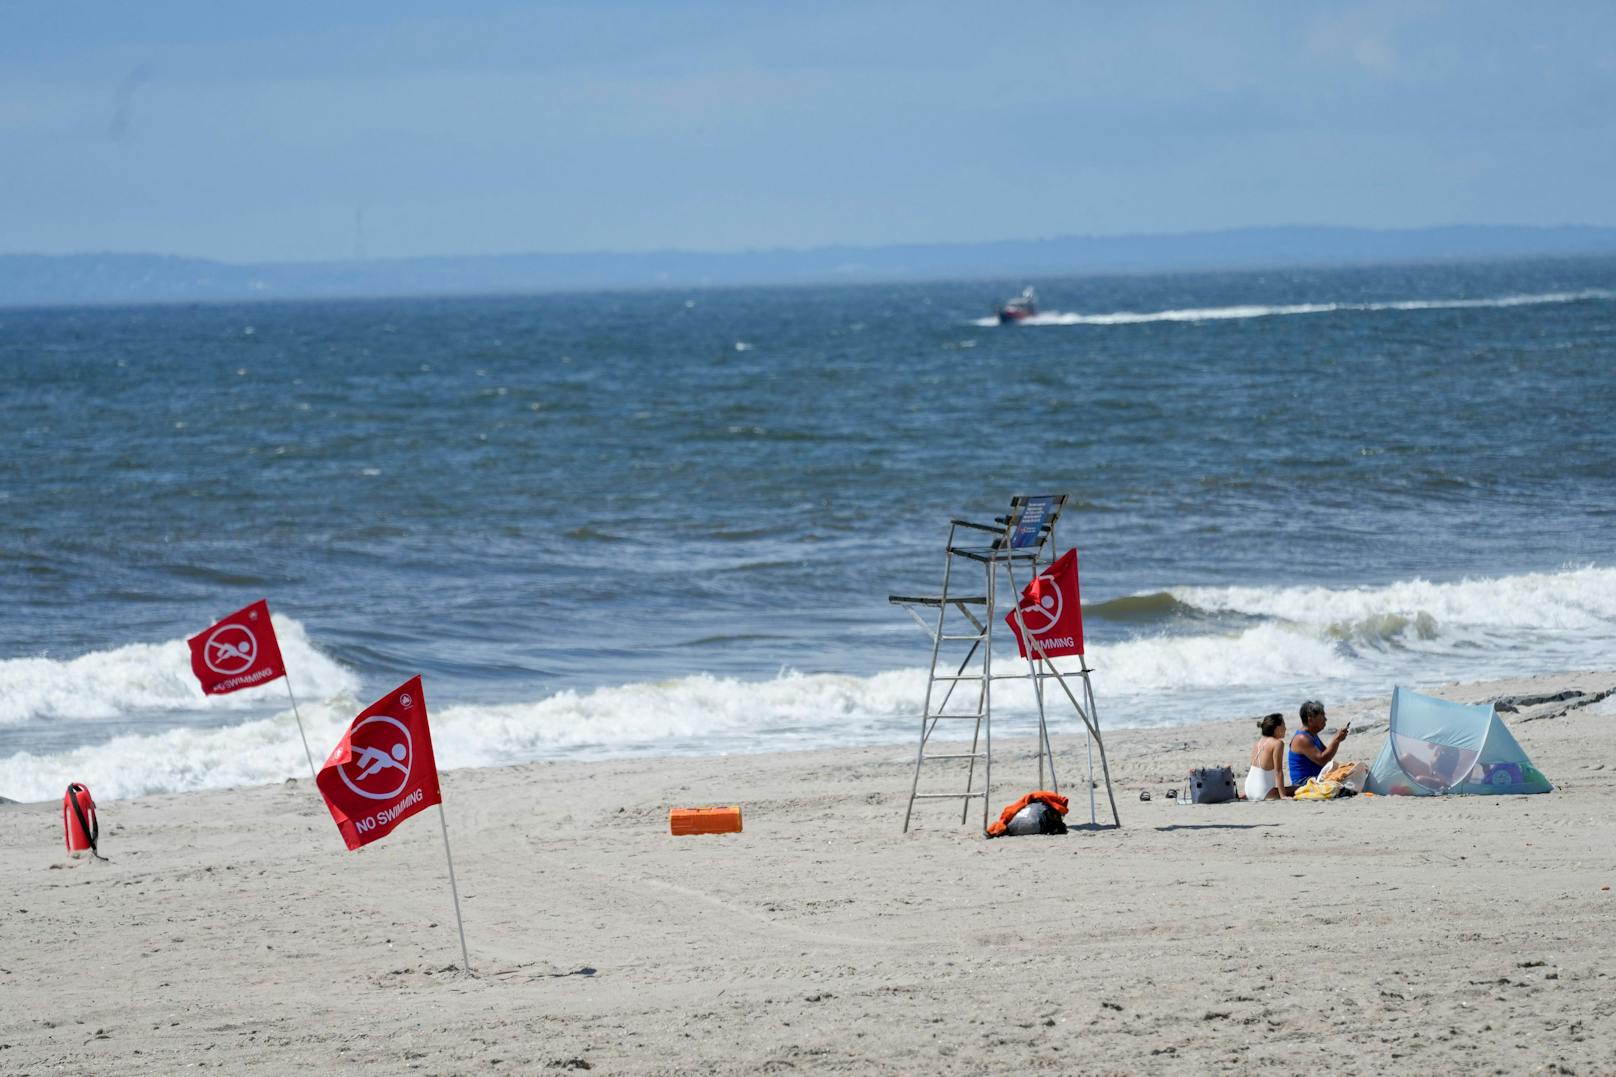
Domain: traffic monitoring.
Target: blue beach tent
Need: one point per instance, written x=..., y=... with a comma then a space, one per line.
x=1435, y=747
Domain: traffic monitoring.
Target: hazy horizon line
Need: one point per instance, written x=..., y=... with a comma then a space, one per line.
x=820, y=248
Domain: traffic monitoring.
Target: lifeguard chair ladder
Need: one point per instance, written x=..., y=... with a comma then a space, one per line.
x=1022, y=539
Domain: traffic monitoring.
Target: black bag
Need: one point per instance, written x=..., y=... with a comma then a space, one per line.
x=1035, y=818
x=1212, y=785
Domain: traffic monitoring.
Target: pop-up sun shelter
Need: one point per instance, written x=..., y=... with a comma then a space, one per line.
x=1436, y=747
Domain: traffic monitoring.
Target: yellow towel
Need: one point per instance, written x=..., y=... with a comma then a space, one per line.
x=1317, y=790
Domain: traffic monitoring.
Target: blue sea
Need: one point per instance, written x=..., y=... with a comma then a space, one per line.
x=667, y=522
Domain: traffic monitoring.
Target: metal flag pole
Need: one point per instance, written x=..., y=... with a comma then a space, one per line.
x=1094, y=819
x=452, y=888
x=1036, y=661
x=306, y=753
x=1090, y=722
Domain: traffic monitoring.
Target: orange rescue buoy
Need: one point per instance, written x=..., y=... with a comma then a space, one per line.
x=79, y=824
x=705, y=820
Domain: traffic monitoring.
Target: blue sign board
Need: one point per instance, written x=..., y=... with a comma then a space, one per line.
x=1029, y=524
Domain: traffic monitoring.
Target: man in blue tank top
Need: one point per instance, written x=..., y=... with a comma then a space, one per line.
x=1307, y=754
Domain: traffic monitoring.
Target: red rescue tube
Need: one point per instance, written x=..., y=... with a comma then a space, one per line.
x=79, y=823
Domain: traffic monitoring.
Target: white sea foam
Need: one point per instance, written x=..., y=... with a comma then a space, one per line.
x=1578, y=603
x=690, y=714
x=1267, y=310
x=151, y=677
x=1303, y=641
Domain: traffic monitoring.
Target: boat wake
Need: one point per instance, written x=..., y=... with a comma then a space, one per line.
x=1261, y=310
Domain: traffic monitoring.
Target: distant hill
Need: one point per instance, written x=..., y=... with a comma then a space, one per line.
x=42, y=280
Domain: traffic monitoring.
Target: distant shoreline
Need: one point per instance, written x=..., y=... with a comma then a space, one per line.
x=55, y=280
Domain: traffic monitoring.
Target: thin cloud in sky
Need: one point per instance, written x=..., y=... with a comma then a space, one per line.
x=253, y=134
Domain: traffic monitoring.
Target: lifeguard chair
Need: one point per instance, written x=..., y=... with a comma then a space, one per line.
x=962, y=618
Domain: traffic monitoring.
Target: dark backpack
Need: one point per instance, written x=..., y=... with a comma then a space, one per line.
x=1035, y=818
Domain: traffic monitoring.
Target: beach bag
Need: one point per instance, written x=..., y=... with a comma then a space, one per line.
x=1035, y=818
x=1025, y=817
x=1352, y=776
x=1212, y=785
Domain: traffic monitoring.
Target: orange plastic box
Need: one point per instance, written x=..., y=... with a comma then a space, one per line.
x=705, y=820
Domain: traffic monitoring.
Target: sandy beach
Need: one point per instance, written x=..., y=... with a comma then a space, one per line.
x=231, y=931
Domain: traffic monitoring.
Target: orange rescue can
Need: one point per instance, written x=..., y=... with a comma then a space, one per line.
x=79, y=824
x=705, y=820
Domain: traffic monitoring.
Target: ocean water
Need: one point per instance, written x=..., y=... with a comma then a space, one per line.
x=668, y=522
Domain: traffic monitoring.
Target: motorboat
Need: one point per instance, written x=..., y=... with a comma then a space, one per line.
x=1020, y=308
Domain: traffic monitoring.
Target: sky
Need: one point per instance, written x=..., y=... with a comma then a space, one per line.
x=319, y=131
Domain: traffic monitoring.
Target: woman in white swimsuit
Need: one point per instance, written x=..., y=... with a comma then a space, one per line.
x=1266, y=778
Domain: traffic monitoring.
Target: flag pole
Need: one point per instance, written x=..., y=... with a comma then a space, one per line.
x=306, y=753
x=452, y=888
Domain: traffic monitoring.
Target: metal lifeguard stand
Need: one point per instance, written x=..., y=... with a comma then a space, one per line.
x=965, y=613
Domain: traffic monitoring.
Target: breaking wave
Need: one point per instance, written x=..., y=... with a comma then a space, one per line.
x=1155, y=606
x=1245, y=650
x=1577, y=604
x=690, y=715
x=152, y=677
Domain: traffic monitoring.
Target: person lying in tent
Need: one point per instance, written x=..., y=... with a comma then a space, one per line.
x=1439, y=767
x=1266, y=778
x=1308, y=754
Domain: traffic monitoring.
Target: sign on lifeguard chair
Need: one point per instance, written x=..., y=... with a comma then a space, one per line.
x=1036, y=517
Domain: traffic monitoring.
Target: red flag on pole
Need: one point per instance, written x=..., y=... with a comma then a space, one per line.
x=238, y=652
x=1052, y=610
x=382, y=771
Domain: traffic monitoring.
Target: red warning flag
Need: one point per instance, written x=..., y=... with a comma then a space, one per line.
x=238, y=652
x=382, y=771
x=1052, y=610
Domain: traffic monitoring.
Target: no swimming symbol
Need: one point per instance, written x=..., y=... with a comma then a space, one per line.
x=230, y=649
x=381, y=760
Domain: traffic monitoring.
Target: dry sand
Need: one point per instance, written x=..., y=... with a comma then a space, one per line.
x=231, y=931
